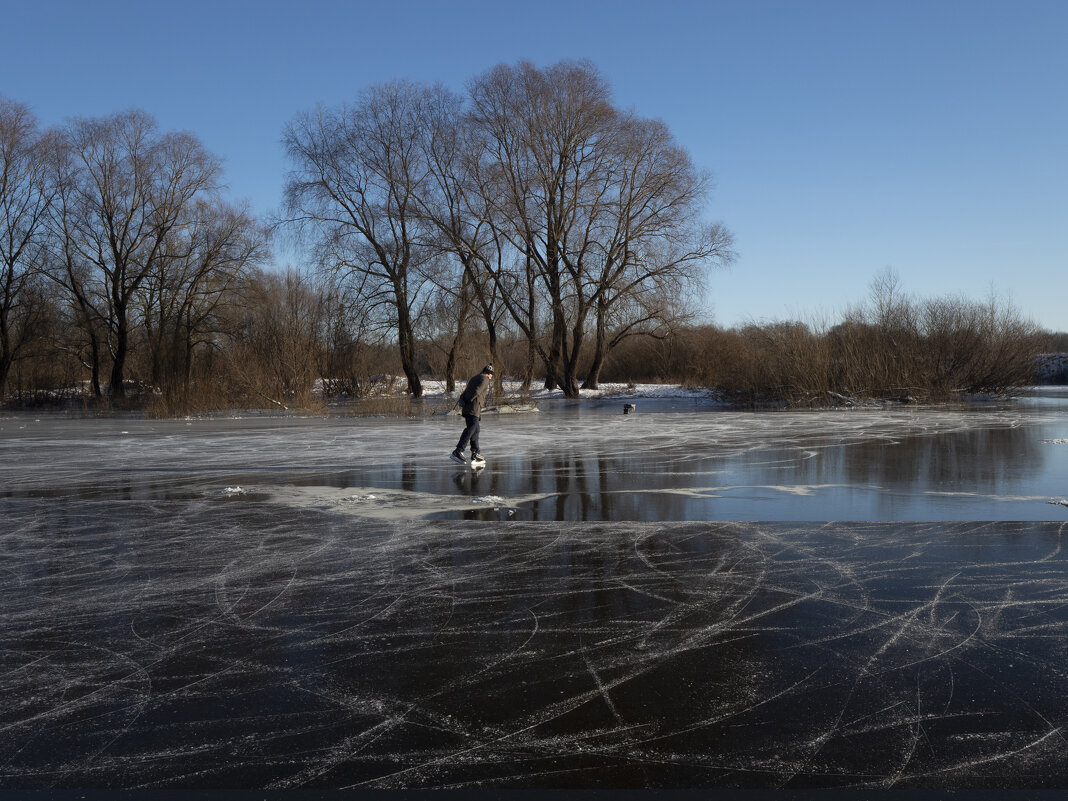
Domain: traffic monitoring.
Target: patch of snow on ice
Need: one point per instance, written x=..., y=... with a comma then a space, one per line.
x=1056, y=441
x=233, y=491
x=496, y=500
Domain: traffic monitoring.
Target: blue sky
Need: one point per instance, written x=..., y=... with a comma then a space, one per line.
x=845, y=137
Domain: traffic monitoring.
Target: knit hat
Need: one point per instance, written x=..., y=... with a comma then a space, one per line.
x=488, y=369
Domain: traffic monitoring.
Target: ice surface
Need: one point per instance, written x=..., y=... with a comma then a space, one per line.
x=664, y=599
x=675, y=459
x=208, y=643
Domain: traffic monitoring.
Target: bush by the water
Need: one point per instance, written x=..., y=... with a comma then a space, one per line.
x=894, y=348
x=891, y=348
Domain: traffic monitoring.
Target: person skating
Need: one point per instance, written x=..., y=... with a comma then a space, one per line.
x=471, y=402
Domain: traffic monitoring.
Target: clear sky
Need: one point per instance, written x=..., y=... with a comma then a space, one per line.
x=846, y=136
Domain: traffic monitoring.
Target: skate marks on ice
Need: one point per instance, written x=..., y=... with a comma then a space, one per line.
x=191, y=644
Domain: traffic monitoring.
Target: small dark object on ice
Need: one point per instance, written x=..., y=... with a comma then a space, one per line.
x=629, y=407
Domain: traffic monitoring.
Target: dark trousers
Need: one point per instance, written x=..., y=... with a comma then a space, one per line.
x=470, y=434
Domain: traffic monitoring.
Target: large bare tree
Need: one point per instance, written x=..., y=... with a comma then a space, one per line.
x=455, y=204
x=545, y=136
x=580, y=220
x=654, y=248
x=25, y=197
x=601, y=209
x=351, y=192
x=126, y=191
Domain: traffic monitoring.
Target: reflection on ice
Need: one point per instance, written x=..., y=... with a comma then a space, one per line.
x=573, y=462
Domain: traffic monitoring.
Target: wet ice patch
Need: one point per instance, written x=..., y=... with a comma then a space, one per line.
x=597, y=463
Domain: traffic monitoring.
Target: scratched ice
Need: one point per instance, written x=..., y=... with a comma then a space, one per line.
x=673, y=598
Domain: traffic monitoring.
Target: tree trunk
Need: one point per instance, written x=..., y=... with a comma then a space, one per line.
x=450, y=369
x=5, y=353
x=569, y=353
x=593, y=377
x=407, y=352
x=187, y=372
x=118, y=364
x=498, y=377
x=94, y=350
x=554, y=376
x=528, y=368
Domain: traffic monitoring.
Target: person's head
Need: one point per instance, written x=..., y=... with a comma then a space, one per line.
x=488, y=369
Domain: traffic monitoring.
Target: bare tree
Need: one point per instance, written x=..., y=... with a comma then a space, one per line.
x=349, y=336
x=275, y=349
x=356, y=171
x=600, y=209
x=127, y=190
x=87, y=316
x=203, y=263
x=653, y=246
x=25, y=197
x=455, y=205
x=544, y=158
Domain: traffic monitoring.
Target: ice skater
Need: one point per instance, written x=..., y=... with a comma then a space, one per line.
x=471, y=402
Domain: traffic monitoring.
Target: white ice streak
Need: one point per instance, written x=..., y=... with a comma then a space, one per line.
x=390, y=504
x=984, y=495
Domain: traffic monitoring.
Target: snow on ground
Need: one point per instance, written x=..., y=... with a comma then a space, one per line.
x=395, y=386
x=436, y=389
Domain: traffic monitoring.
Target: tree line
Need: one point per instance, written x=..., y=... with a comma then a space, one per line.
x=528, y=202
x=527, y=207
x=527, y=221
x=113, y=232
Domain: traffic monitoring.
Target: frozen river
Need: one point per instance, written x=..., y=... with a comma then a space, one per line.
x=673, y=460
x=681, y=597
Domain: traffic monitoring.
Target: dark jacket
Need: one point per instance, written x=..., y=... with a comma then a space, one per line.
x=473, y=399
